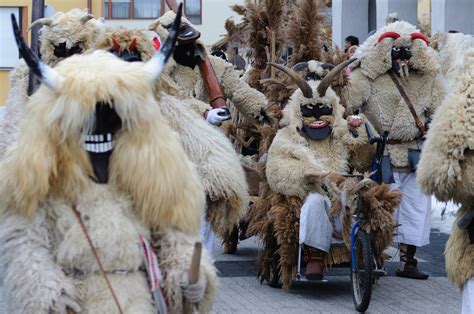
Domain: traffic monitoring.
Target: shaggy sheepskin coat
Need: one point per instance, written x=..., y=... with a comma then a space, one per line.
x=206, y=145
x=292, y=155
x=372, y=91
x=451, y=49
x=74, y=28
x=189, y=84
x=153, y=191
x=446, y=167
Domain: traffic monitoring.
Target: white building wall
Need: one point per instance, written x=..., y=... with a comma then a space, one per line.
x=449, y=15
x=407, y=10
x=349, y=18
x=214, y=14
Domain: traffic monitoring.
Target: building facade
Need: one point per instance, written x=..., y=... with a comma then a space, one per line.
x=208, y=16
x=347, y=17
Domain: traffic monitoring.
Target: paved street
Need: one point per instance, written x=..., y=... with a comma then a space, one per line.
x=241, y=292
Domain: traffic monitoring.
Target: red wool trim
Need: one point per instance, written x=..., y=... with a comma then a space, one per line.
x=420, y=36
x=393, y=35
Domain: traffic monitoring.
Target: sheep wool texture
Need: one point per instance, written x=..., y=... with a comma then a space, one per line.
x=446, y=167
x=372, y=91
x=206, y=145
x=48, y=174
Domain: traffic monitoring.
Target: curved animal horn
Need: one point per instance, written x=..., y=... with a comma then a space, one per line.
x=116, y=45
x=326, y=82
x=419, y=36
x=393, y=35
x=86, y=18
x=43, y=21
x=47, y=75
x=298, y=79
x=156, y=64
x=133, y=44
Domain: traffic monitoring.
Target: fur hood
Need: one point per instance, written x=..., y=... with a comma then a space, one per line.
x=125, y=37
x=75, y=27
x=375, y=57
x=148, y=161
x=167, y=19
x=292, y=112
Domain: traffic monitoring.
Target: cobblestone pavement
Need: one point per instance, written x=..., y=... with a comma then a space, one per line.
x=241, y=292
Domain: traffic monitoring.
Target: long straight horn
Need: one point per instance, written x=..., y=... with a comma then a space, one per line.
x=44, y=21
x=298, y=79
x=47, y=75
x=327, y=80
x=156, y=64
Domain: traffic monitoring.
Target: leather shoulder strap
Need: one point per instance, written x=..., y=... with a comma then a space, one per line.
x=418, y=122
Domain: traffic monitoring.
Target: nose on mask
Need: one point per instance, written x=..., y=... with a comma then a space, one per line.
x=400, y=60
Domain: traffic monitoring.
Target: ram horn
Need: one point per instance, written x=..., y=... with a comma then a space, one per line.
x=43, y=21
x=298, y=79
x=47, y=75
x=327, y=80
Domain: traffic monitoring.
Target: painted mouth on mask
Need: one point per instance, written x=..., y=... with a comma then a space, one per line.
x=99, y=143
x=318, y=124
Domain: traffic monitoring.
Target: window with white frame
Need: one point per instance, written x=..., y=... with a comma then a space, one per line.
x=133, y=9
x=9, y=51
x=193, y=11
x=149, y=9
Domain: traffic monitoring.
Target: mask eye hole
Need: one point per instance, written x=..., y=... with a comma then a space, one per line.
x=396, y=49
x=407, y=49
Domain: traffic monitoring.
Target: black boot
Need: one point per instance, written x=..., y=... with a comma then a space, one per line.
x=408, y=264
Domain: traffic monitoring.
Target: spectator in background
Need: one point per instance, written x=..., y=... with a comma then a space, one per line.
x=349, y=42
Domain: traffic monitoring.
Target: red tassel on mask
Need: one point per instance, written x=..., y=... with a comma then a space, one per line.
x=156, y=43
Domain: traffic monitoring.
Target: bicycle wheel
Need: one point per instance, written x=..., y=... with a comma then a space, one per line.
x=361, y=274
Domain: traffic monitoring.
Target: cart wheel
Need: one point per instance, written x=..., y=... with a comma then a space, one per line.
x=361, y=275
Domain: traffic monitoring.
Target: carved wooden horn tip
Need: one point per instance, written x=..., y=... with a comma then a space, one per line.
x=298, y=79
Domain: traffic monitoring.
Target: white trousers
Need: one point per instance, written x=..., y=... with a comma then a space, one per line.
x=207, y=235
x=316, y=229
x=414, y=213
x=468, y=297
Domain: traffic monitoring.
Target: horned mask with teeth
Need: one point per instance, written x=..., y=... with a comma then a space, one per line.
x=95, y=118
x=314, y=107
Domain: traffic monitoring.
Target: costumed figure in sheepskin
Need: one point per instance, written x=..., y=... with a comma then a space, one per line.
x=184, y=75
x=399, y=54
x=62, y=35
x=314, y=201
x=97, y=192
x=446, y=169
x=208, y=148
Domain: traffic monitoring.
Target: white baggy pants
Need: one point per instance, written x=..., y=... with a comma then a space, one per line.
x=468, y=297
x=316, y=229
x=414, y=213
x=207, y=235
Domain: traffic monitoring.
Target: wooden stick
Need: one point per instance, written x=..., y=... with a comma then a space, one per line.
x=193, y=274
